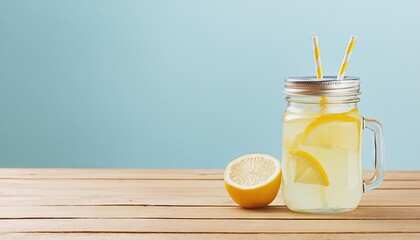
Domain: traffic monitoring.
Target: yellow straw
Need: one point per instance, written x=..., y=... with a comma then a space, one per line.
x=317, y=56
x=346, y=58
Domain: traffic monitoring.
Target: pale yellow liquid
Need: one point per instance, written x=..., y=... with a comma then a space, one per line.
x=342, y=166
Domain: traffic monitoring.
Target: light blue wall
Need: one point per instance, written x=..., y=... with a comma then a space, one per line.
x=191, y=84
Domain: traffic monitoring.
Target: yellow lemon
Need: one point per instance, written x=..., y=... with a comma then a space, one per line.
x=307, y=169
x=338, y=131
x=253, y=180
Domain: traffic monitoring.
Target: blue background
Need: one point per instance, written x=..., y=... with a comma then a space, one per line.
x=191, y=84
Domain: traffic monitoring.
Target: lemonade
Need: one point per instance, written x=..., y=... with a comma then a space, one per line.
x=322, y=169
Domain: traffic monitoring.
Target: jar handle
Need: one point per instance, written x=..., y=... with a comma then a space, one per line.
x=378, y=139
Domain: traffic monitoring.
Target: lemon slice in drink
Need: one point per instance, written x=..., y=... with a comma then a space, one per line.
x=338, y=131
x=253, y=180
x=307, y=169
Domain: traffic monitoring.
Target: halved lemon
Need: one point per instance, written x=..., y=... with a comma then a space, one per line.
x=338, y=131
x=307, y=169
x=253, y=180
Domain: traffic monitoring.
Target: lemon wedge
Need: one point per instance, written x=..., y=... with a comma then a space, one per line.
x=307, y=169
x=337, y=131
x=253, y=180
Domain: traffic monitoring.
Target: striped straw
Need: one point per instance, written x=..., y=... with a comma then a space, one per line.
x=317, y=56
x=346, y=58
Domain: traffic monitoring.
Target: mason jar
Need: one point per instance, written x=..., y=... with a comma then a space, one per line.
x=322, y=145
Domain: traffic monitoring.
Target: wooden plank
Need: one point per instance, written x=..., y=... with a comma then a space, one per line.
x=72, y=173
x=97, y=192
x=191, y=198
x=205, y=236
x=170, y=212
x=16, y=185
x=209, y=225
x=68, y=173
x=398, y=184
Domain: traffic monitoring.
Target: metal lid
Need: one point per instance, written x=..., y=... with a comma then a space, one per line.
x=328, y=86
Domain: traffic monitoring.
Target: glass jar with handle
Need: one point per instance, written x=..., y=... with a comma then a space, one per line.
x=322, y=145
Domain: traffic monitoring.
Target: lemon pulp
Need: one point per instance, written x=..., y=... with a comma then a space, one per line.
x=252, y=170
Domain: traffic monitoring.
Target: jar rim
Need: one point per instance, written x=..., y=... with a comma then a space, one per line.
x=327, y=86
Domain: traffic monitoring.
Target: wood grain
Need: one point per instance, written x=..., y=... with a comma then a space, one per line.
x=209, y=225
x=130, y=184
x=206, y=236
x=171, y=197
x=177, y=212
x=68, y=173
x=172, y=174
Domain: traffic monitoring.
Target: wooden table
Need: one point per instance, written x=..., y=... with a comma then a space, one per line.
x=185, y=204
